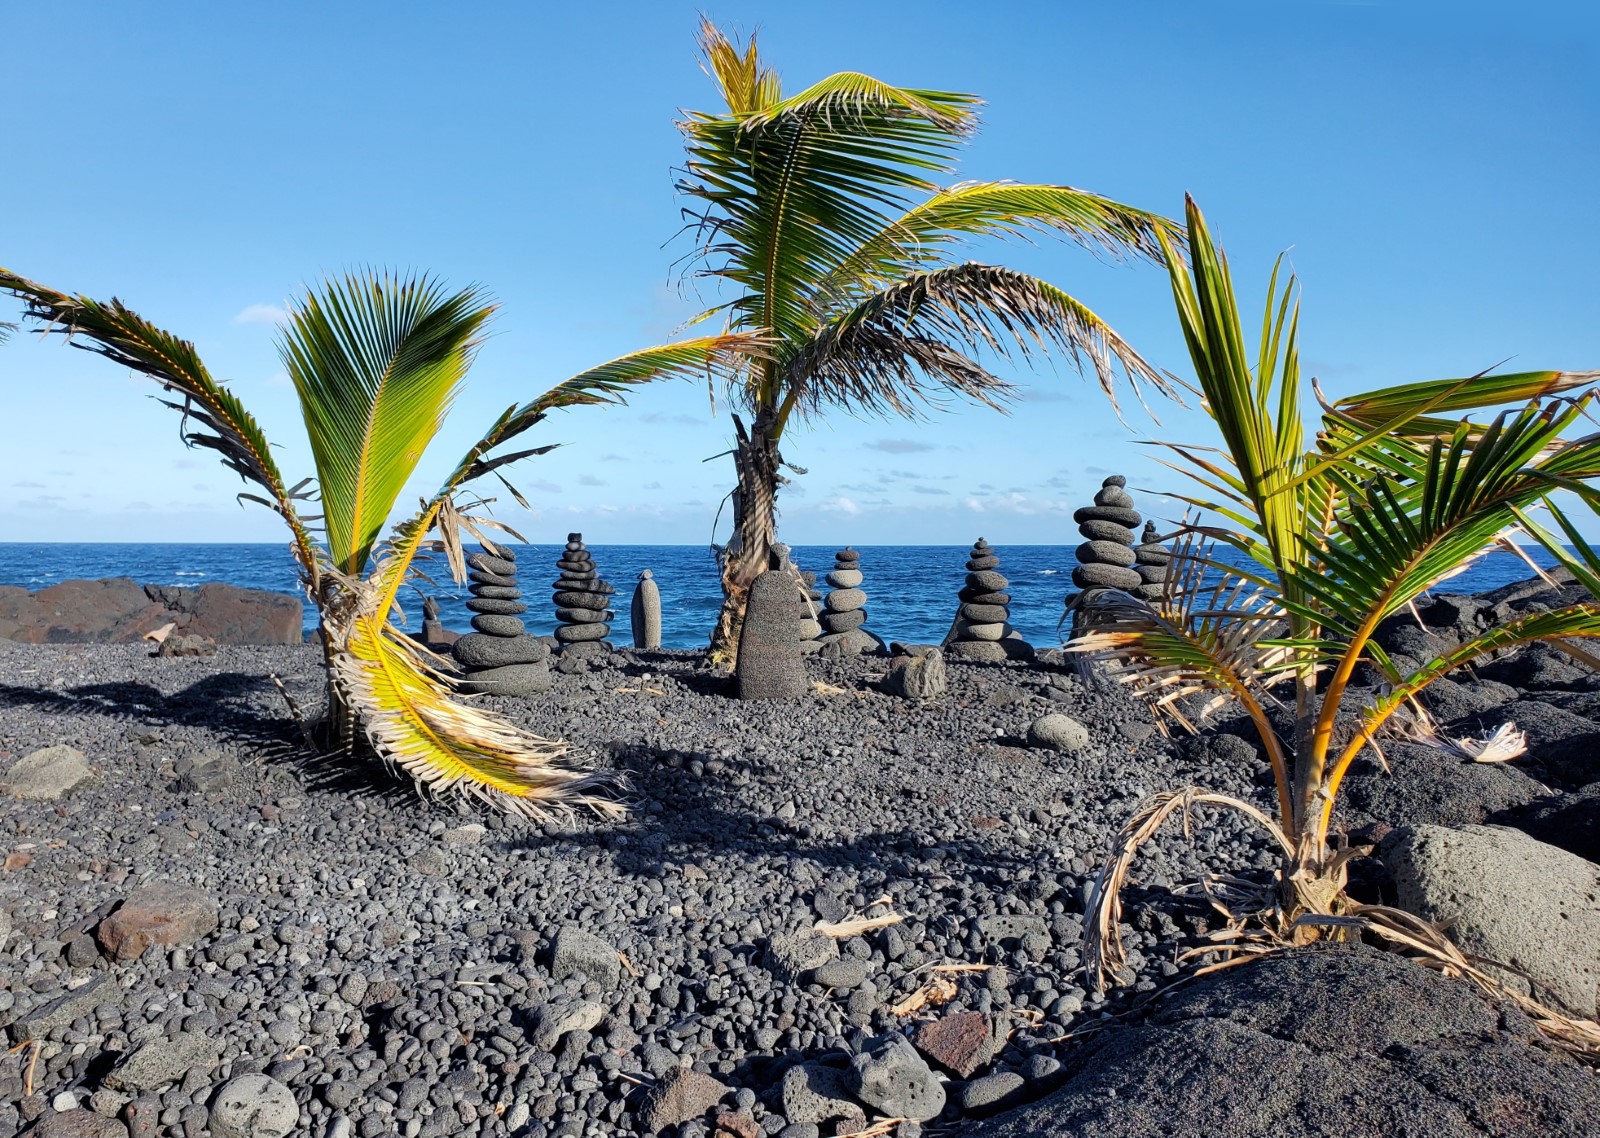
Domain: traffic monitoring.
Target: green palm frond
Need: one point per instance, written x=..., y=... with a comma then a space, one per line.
x=924, y=234
x=793, y=187
x=377, y=361
x=916, y=338
x=213, y=417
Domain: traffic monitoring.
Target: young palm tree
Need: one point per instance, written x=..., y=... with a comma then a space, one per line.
x=376, y=362
x=1390, y=497
x=822, y=212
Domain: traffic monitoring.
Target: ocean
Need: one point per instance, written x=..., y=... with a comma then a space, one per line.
x=911, y=589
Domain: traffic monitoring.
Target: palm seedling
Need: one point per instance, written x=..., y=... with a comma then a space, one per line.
x=821, y=213
x=376, y=361
x=1324, y=542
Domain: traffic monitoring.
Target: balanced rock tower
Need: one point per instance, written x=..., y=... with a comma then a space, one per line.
x=1107, y=558
x=500, y=658
x=582, y=601
x=645, y=612
x=1151, y=559
x=844, y=614
x=810, y=610
x=982, y=630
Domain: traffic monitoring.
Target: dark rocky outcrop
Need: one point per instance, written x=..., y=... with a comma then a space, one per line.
x=118, y=610
x=1311, y=1043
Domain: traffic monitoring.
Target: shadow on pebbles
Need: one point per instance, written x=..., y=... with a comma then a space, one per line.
x=354, y=961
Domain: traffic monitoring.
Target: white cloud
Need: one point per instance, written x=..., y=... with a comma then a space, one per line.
x=973, y=504
x=261, y=314
x=839, y=504
x=899, y=446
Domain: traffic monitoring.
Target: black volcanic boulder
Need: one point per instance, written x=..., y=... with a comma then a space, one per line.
x=1314, y=1042
x=118, y=610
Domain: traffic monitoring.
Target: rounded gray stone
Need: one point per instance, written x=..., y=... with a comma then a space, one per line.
x=1096, y=529
x=1058, y=733
x=977, y=651
x=475, y=650
x=984, y=614
x=1123, y=517
x=488, y=564
x=583, y=616
x=512, y=680
x=577, y=633
x=479, y=577
x=979, y=564
x=496, y=592
x=1104, y=553
x=845, y=578
x=496, y=608
x=576, y=599
x=846, y=600
x=494, y=625
x=1105, y=577
x=988, y=580
x=843, y=621
x=254, y=1106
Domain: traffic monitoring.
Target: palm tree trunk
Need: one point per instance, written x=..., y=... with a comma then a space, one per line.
x=748, y=553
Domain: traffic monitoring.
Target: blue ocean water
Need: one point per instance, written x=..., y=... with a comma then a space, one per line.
x=911, y=589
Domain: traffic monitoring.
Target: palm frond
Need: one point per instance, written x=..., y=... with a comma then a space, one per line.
x=213, y=417
x=411, y=718
x=1472, y=393
x=377, y=361
x=915, y=339
x=921, y=238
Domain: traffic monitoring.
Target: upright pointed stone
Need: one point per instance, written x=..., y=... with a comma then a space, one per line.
x=645, y=611
x=770, y=662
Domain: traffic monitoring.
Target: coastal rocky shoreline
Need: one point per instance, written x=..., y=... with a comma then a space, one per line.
x=209, y=932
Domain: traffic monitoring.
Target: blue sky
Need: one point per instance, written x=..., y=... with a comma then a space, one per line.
x=1430, y=166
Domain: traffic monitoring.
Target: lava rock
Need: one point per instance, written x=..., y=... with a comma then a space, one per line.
x=1058, y=733
x=770, y=663
x=161, y=914
x=254, y=1106
x=46, y=774
x=683, y=1094
x=889, y=1076
x=917, y=677
x=578, y=950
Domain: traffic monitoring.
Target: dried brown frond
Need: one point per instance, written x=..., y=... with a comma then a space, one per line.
x=855, y=926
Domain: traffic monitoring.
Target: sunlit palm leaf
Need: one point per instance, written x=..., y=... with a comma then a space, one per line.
x=376, y=361
x=213, y=416
x=410, y=717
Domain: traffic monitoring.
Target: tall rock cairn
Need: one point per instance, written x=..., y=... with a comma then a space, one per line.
x=1106, y=560
x=844, y=615
x=582, y=602
x=645, y=612
x=500, y=658
x=770, y=662
x=1151, y=559
x=982, y=629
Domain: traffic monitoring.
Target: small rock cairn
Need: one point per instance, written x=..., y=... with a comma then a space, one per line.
x=1106, y=559
x=845, y=611
x=810, y=609
x=500, y=658
x=582, y=602
x=1151, y=559
x=982, y=629
x=645, y=612
x=770, y=662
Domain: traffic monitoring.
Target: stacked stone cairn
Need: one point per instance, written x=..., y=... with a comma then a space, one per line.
x=1151, y=559
x=1106, y=560
x=645, y=612
x=845, y=614
x=810, y=610
x=771, y=665
x=583, y=603
x=982, y=630
x=500, y=658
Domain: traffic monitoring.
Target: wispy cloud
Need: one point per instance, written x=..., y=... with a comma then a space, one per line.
x=28, y=485
x=543, y=485
x=930, y=490
x=899, y=446
x=675, y=420
x=261, y=314
x=839, y=504
x=1041, y=395
x=590, y=480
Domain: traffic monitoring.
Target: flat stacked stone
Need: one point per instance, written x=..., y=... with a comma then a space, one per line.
x=1107, y=558
x=582, y=601
x=500, y=658
x=1151, y=559
x=844, y=614
x=645, y=612
x=982, y=628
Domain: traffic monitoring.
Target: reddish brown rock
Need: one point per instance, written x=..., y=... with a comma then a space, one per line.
x=159, y=914
x=958, y=1042
x=683, y=1094
x=736, y=1124
x=118, y=610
